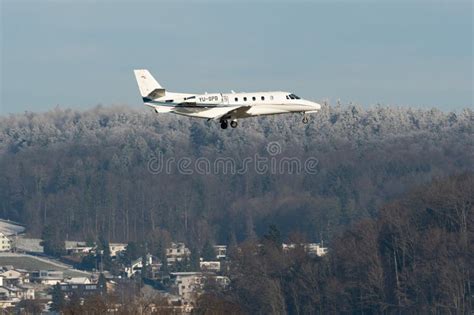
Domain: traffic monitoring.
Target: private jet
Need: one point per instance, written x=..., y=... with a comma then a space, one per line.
x=222, y=107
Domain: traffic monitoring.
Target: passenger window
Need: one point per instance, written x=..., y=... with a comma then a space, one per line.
x=263, y=98
x=236, y=99
x=253, y=98
x=245, y=99
x=271, y=97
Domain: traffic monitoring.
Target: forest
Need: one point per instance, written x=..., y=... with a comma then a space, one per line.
x=87, y=173
x=390, y=192
x=416, y=257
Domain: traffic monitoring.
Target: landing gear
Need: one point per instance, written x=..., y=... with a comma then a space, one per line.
x=224, y=124
x=305, y=119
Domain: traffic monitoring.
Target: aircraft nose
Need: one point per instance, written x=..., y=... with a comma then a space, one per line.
x=315, y=105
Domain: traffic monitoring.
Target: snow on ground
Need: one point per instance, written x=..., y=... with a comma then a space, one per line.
x=10, y=228
x=31, y=263
x=31, y=245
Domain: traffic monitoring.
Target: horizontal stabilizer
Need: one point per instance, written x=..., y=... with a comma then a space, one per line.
x=156, y=93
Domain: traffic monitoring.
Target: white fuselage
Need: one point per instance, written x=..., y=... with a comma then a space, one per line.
x=256, y=104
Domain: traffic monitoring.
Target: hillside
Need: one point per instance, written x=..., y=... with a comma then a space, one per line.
x=96, y=172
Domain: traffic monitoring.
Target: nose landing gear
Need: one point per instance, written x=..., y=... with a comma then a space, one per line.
x=234, y=123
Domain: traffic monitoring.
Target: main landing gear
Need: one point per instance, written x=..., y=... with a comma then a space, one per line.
x=305, y=119
x=233, y=124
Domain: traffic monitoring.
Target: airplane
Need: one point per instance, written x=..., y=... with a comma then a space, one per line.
x=222, y=107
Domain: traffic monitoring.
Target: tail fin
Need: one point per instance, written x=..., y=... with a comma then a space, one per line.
x=150, y=89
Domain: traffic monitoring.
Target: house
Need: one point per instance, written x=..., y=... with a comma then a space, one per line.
x=5, y=299
x=77, y=280
x=82, y=290
x=177, y=252
x=5, y=243
x=287, y=247
x=210, y=266
x=13, y=277
x=187, y=285
x=221, y=251
x=27, y=291
x=22, y=293
x=4, y=294
x=78, y=248
x=136, y=265
x=116, y=248
x=48, y=277
x=221, y=281
x=312, y=249
x=25, y=275
x=315, y=249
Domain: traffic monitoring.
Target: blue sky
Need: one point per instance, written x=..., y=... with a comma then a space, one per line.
x=81, y=53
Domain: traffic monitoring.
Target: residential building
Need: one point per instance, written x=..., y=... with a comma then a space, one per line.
x=5, y=243
x=11, y=277
x=75, y=248
x=77, y=280
x=136, y=266
x=22, y=293
x=82, y=290
x=210, y=266
x=221, y=251
x=315, y=249
x=116, y=248
x=48, y=277
x=286, y=247
x=177, y=252
x=187, y=285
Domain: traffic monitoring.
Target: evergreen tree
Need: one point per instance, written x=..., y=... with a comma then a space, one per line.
x=105, y=254
x=133, y=251
x=53, y=243
x=273, y=236
x=208, y=252
x=88, y=262
x=102, y=283
x=193, y=261
x=58, y=301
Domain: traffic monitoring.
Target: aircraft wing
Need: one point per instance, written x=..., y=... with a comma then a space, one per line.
x=213, y=112
x=237, y=112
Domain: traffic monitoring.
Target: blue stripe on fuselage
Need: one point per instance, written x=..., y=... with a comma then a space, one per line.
x=150, y=101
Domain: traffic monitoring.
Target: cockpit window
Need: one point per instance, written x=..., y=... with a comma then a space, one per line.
x=294, y=97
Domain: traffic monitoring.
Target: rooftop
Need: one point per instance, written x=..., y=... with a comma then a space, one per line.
x=32, y=263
